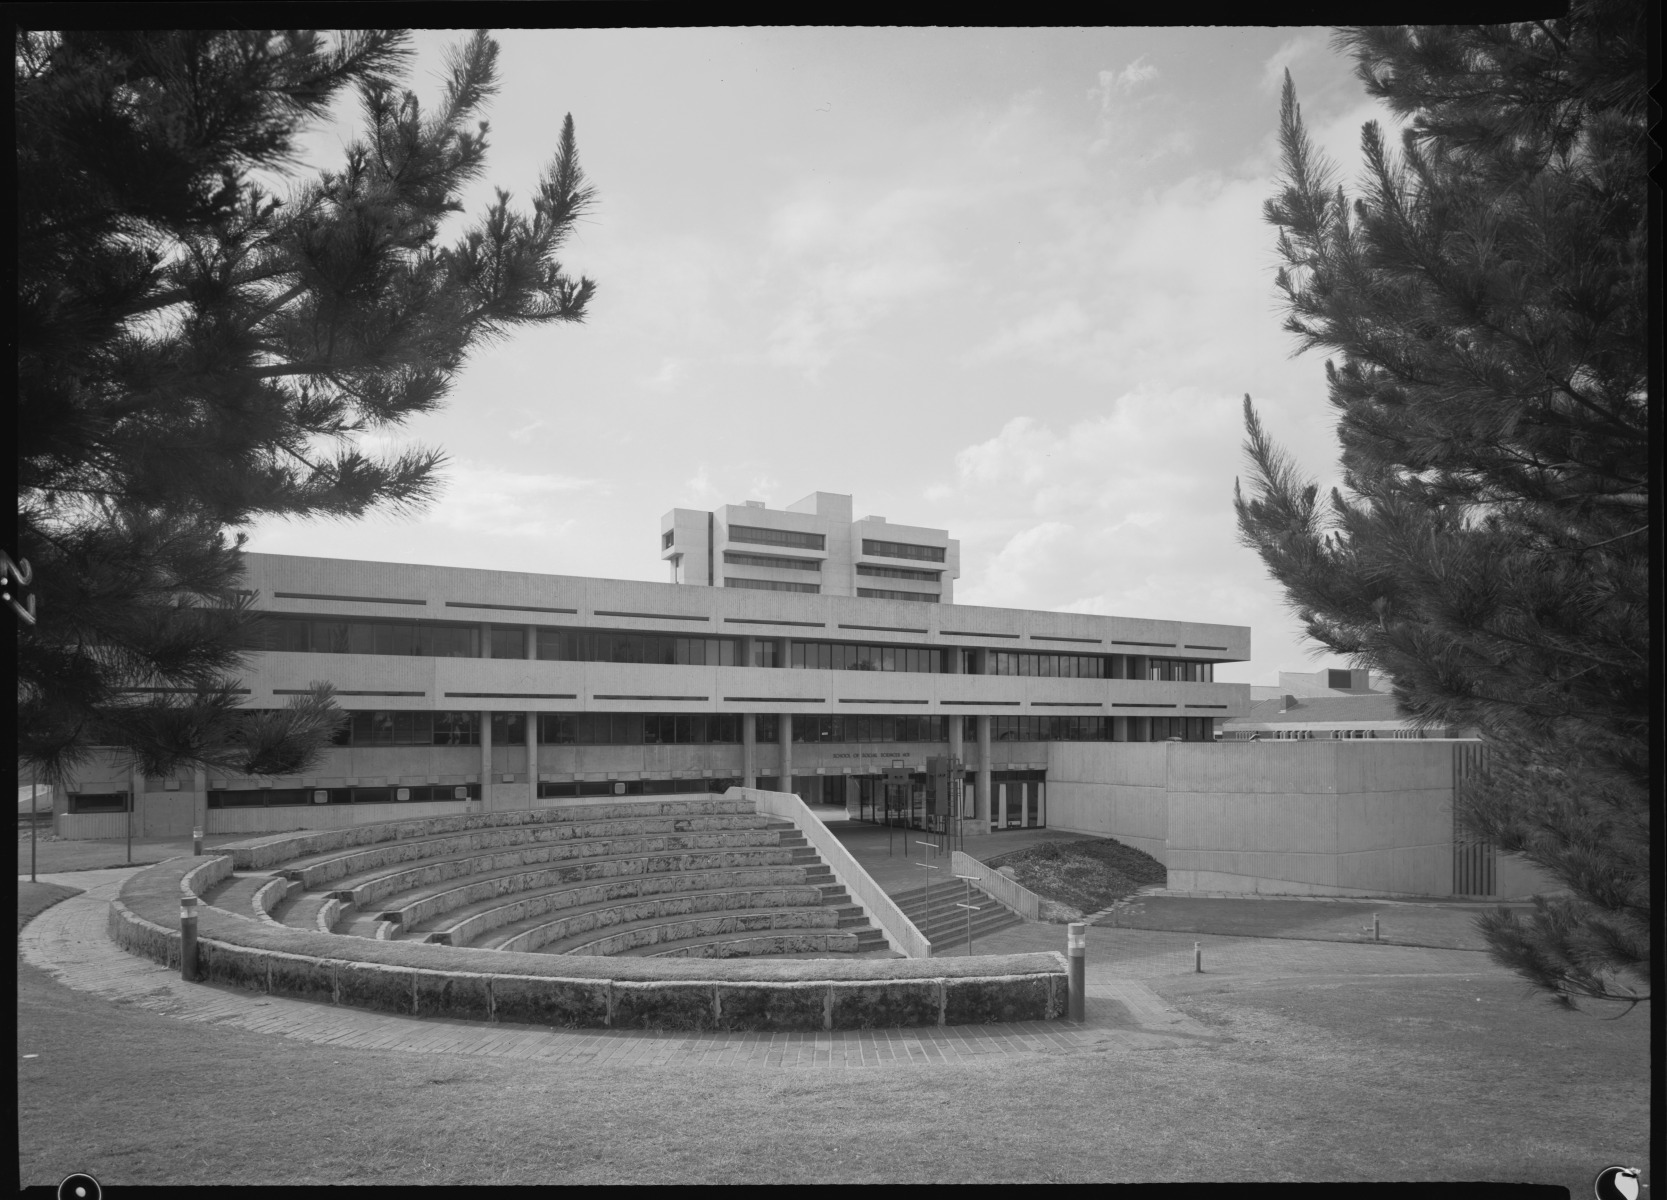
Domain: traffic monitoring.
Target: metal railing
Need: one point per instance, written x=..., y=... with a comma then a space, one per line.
x=1020, y=899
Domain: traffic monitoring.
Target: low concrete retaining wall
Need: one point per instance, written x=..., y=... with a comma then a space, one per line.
x=998, y=887
x=674, y=993
x=899, y=931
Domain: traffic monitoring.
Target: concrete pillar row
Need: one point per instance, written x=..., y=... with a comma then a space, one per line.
x=749, y=750
x=486, y=729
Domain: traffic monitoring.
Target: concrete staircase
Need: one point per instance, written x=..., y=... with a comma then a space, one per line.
x=818, y=874
x=945, y=925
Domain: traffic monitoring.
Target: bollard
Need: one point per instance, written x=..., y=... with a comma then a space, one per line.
x=188, y=938
x=196, y=843
x=1198, y=957
x=1375, y=927
x=1076, y=947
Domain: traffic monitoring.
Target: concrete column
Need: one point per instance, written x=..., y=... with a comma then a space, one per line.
x=532, y=727
x=957, y=736
x=786, y=720
x=485, y=761
x=532, y=759
x=782, y=648
x=986, y=793
x=749, y=750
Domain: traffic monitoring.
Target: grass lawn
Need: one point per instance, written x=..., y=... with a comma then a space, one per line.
x=35, y=898
x=1445, y=926
x=54, y=854
x=1328, y=1079
x=1081, y=877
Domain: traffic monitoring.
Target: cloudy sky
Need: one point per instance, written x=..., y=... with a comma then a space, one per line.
x=1011, y=283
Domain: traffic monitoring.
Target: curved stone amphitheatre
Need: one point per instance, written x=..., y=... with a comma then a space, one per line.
x=661, y=913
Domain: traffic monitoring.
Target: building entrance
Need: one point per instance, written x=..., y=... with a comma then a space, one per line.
x=1019, y=800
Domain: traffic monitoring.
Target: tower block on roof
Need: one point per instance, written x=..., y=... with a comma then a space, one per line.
x=811, y=546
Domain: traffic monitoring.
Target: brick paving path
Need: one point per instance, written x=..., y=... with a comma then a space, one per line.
x=69, y=941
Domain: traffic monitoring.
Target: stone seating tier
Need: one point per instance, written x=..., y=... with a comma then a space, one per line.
x=399, y=889
x=491, y=924
x=270, y=850
x=570, y=930
x=321, y=869
x=706, y=929
x=539, y=880
x=681, y=986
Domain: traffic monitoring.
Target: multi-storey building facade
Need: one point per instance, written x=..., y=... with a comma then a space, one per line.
x=812, y=547
x=472, y=689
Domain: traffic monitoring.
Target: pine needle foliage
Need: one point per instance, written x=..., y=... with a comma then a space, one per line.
x=1486, y=296
x=203, y=334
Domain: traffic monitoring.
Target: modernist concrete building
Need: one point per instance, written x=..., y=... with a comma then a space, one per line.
x=812, y=547
x=472, y=689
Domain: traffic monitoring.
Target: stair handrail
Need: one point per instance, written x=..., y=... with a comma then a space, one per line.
x=900, y=932
x=999, y=887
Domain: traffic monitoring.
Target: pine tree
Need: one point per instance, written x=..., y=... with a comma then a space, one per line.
x=1489, y=549
x=195, y=352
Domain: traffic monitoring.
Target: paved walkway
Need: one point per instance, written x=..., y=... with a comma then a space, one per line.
x=69, y=942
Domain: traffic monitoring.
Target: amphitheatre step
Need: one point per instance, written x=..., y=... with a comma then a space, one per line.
x=499, y=917
x=808, y=942
x=320, y=869
x=396, y=887
x=428, y=906
x=236, y=893
x=545, y=918
x=650, y=937
x=302, y=912
x=704, y=880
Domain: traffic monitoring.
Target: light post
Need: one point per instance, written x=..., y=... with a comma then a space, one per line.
x=188, y=938
x=197, y=842
x=1076, y=946
x=34, y=818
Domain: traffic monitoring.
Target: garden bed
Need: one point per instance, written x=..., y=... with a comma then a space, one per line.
x=1077, y=878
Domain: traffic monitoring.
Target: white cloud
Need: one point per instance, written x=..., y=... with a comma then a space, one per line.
x=481, y=499
x=1126, y=81
x=1302, y=46
x=525, y=433
x=841, y=265
x=671, y=373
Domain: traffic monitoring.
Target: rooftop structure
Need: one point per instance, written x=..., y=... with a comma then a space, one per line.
x=812, y=546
